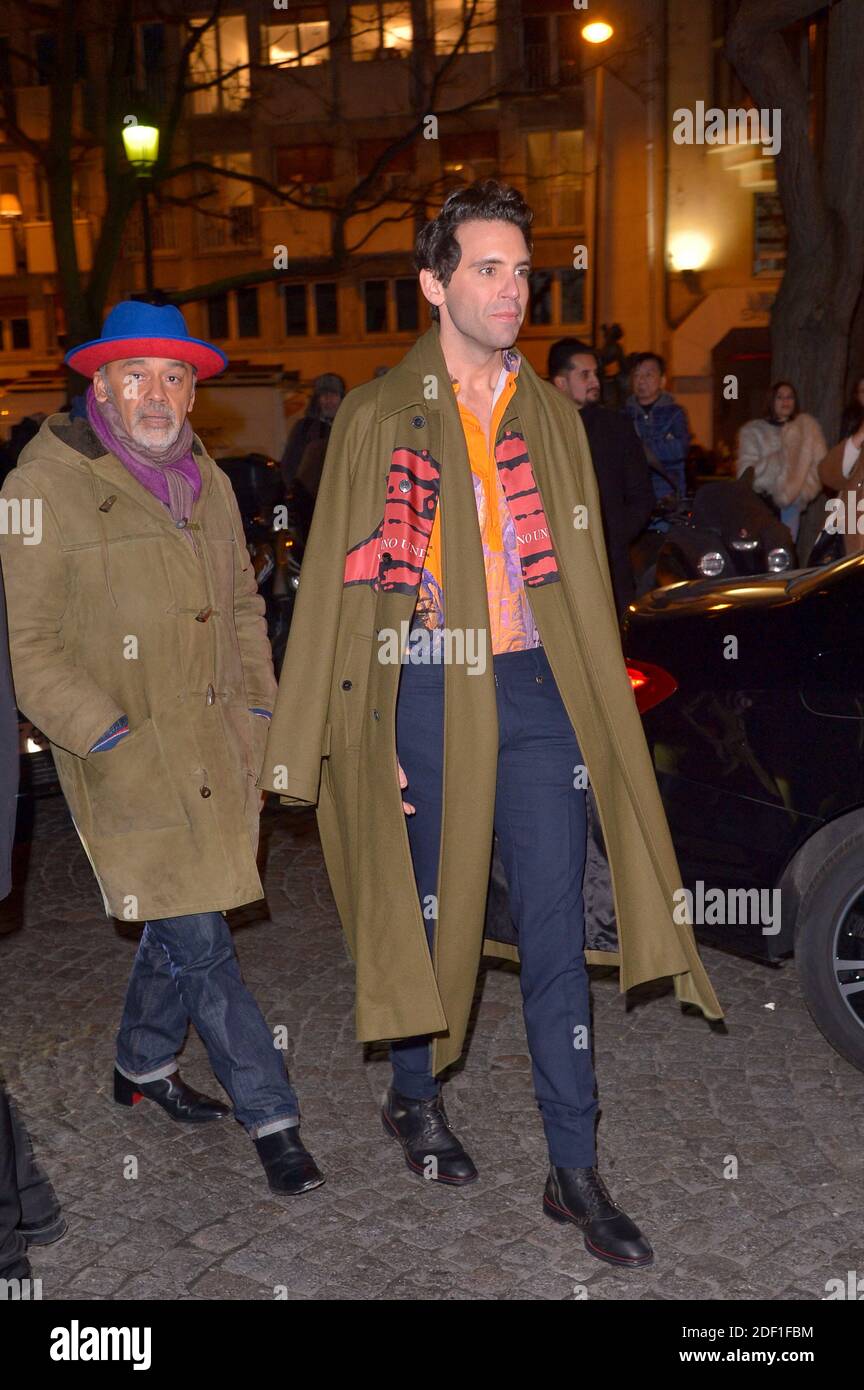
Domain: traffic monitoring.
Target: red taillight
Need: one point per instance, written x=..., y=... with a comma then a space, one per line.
x=651, y=684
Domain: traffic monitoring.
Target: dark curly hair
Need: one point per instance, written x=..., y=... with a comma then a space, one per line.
x=486, y=200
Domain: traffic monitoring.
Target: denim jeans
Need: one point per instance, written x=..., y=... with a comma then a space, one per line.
x=187, y=969
x=27, y=1200
x=541, y=825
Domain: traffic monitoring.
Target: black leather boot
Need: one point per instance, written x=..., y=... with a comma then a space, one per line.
x=291, y=1170
x=176, y=1098
x=579, y=1195
x=429, y=1144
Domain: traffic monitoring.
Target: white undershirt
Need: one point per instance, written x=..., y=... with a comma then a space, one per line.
x=850, y=457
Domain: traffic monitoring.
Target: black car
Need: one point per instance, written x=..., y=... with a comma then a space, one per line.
x=752, y=696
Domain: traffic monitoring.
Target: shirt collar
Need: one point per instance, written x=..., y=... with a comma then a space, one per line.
x=511, y=361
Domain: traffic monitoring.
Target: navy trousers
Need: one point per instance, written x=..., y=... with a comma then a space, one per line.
x=541, y=825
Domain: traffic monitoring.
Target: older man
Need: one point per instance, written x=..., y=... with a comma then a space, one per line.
x=139, y=648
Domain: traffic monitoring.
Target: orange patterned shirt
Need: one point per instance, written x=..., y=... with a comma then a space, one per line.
x=511, y=622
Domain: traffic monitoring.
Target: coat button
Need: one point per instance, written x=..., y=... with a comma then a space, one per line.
x=375, y=714
x=211, y=695
x=183, y=522
x=347, y=685
x=203, y=615
x=205, y=792
x=418, y=422
x=404, y=486
x=539, y=680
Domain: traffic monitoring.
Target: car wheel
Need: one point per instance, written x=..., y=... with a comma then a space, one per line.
x=829, y=950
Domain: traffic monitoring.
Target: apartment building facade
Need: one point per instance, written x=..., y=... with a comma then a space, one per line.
x=299, y=102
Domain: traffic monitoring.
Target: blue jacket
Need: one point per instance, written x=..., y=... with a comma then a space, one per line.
x=663, y=429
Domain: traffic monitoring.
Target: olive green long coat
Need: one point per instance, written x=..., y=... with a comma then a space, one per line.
x=113, y=612
x=332, y=740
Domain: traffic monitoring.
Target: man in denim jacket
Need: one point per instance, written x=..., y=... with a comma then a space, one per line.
x=659, y=422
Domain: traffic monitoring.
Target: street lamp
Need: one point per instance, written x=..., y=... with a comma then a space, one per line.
x=141, y=143
x=597, y=32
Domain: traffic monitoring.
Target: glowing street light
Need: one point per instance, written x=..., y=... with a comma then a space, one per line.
x=598, y=31
x=141, y=143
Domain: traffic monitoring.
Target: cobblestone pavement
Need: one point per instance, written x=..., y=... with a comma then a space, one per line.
x=679, y=1103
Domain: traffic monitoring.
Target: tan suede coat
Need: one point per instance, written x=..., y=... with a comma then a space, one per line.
x=112, y=613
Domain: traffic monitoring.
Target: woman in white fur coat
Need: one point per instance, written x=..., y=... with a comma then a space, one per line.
x=784, y=449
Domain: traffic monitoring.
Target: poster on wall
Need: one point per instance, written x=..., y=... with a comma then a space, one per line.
x=769, y=235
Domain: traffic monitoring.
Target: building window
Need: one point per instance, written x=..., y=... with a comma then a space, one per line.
x=572, y=295
x=296, y=320
x=146, y=70
x=16, y=332
x=556, y=198
x=375, y=296
x=407, y=313
x=306, y=165
x=247, y=312
x=551, y=50
x=326, y=308
x=556, y=296
x=297, y=45
x=227, y=216
x=540, y=296
x=45, y=52
x=396, y=168
x=219, y=66
x=468, y=155
x=381, y=30
x=217, y=315
x=449, y=18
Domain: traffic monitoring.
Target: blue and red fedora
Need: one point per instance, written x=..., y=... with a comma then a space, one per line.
x=136, y=329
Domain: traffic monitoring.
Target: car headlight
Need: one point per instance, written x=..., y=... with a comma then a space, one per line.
x=778, y=559
x=711, y=564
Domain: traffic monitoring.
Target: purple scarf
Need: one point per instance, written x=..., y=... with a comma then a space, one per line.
x=173, y=476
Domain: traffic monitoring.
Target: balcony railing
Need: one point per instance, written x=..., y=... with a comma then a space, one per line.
x=163, y=231
x=546, y=69
x=238, y=227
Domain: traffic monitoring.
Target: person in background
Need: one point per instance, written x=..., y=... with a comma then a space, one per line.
x=328, y=392
x=626, y=494
x=842, y=470
x=784, y=449
x=660, y=423
x=29, y=1211
x=306, y=448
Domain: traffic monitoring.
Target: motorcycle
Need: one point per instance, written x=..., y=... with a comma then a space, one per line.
x=724, y=530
